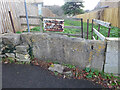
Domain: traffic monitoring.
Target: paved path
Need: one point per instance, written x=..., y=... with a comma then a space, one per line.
x=27, y=76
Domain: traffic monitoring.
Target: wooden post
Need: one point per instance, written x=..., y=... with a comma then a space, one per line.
x=12, y=22
x=87, y=27
x=92, y=30
x=81, y=27
x=109, y=31
x=98, y=30
x=119, y=17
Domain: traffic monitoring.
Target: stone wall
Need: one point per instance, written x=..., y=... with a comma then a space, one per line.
x=54, y=47
x=13, y=47
x=77, y=51
x=99, y=55
x=0, y=47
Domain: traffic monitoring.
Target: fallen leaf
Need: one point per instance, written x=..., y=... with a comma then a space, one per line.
x=36, y=64
x=52, y=65
x=79, y=77
x=110, y=86
x=6, y=62
x=64, y=76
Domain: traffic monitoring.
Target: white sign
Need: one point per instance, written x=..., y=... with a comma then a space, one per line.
x=54, y=25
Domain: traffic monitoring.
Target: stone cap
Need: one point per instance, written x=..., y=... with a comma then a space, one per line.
x=112, y=39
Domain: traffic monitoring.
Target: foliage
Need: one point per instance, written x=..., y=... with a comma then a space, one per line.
x=10, y=60
x=69, y=66
x=87, y=69
x=35, y=29
x=18, y=32
x=73, y=8
x=56, y=62
x=56, y=73
x=48, y=61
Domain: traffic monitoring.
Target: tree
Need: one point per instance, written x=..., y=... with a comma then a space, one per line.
x=73, y=8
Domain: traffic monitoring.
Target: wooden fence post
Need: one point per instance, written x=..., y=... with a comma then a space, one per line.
x=87, y=27
x=92, y=30
x=81, y=27
x=119, y=16
x=12, y=22
x=109, y=31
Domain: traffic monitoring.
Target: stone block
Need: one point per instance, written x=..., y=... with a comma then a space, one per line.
x=112, y=58
x=111, y=68
x=57, y=67
x=23, y=49
x=21, y=57
x=12, y=39
x=112, y=64
x=112, y=46
x=11, y=55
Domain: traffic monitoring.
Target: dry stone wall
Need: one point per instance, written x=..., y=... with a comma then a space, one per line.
x=13, y=47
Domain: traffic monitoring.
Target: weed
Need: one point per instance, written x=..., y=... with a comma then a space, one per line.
x=56, y=73
x=55, y=62
x=48, y=61
x=70, y=66
x=87, y=70
x=96, y=72
x=89, y=76
x=10, y=60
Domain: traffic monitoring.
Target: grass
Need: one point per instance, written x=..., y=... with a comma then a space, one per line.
x=115, y=32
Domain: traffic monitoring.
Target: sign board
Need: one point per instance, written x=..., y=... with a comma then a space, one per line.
x=54, y=25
